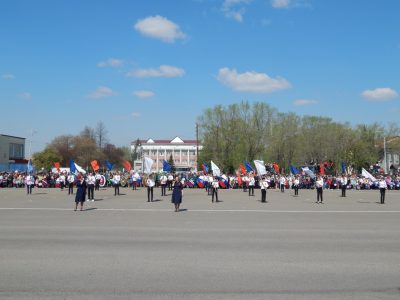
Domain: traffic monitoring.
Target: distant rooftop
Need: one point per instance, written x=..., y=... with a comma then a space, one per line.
x=12, y=136
x=176, y=140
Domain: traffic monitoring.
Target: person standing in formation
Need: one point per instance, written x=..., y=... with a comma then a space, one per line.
x=150, y=185
x=177, y=193
x=97, y=177
x=282, y=182
x=382, y=189
x=245, y=183
x=252, y=183
x=319, y=185
x=134, y=181
x=210, y=180
x=170, y=181
x=296, y=184
x=116, y=182
x=163, y=182
x=215, y=186
x=80, y=191
x=343, y=182
x=29, y=182
x=70, y=181
x=264, y=186
x=90, y=181
x=62, y=181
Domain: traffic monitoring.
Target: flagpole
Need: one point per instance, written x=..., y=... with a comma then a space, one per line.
x=197, y=147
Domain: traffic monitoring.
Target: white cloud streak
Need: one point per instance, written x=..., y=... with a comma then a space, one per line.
x=280, y=3
x=159, y=27
x=8, y=76
x=231, y=10
x=305, y=102
x=111, y=62
x=163, y=71
x=135, y=115
x=380, y=94
x=25, y=96
x=102, y=92
x=251, y=81
x=143, y=94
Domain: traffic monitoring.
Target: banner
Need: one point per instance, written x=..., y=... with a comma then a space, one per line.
x=293, y=170
x=309, y=172
x=321, y=169
x=109, y=165
x=276, y=168
x=72, y=167
x=243, y=169
x=57, y=166
x=249, y=168
x=127, y=165
x=30, y=167
x=343, y=165
x=216, y=171
x=95, y=165
x=260, y=166
x=166, y=166
x=79, y=168
x=366, y=174
x=147, y=164
x=205, y=167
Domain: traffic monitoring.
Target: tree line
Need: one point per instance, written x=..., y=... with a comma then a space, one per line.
x=89, y=144
x=248, y=131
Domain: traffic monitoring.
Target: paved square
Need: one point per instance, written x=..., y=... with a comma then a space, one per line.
x=126, y=248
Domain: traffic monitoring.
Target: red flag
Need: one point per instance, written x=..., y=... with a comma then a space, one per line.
x=95, y=165
x=127, y=165
x=321, y=169
x=57, y=166
x=243, y=169
x=276, y=167
x=239, y=179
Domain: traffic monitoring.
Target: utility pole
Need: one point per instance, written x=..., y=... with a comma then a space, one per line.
x=384, y=154
x=197, y=146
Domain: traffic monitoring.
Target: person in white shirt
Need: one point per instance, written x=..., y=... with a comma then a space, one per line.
x=134, y=181
x=319, y=184
x=382, y=189
x=97, y=176
x=61, y=180
x=150, y=185
x=264, y=186
x=71, y=180
x=163, y=182
x=245, y=181
x=210, y=181
x=296, y=184
x=282, y=182
x=252, y=183
x=215, y=186
x=29, y=182
x=170, y=180
x=343, y=182
x=90, y=181
x=116, y=182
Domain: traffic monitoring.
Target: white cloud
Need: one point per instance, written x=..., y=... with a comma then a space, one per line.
x=380, y=94
x=25, y=95
x=228, y=8
x=111, y=62
x=135, y=114
x=305, y=102
x=251, y=81
x=8, y=76
x=102, y=92
x=143, y=94
x=160, y=28
x=162, y=71
x=280, y=3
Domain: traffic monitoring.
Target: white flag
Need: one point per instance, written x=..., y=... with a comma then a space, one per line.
x=215, y=169
x=309, y=172
x=366, y=174
x=80, y=169
x=148, y=163
x=260, y=166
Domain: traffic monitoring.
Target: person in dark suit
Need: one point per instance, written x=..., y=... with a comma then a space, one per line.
x=177, y=193
x=80, y=192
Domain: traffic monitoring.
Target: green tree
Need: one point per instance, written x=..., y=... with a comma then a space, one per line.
x=46, y=158
x=172, y=164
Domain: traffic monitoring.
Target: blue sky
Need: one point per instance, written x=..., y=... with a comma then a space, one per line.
x=149, y=68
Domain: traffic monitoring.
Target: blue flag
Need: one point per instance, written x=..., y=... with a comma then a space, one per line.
x=30, y=167
x=72, y=168
x=293, y=170
x=166, y=166
x=249, y=168
x=109, y=165
x=343, y=165
x=205, y=167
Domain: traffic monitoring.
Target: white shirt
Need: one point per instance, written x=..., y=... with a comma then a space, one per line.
x=163, y=179
x=71, y=178
x=319, y=183
x=264, y=184
x=282, y=180
x=382, y=184
x=116, y=179
x=61, y=178
x=215, y=184
x=90, y=179
x=170, y=177
x=252, y=181
x=296, y=182
x=150, y=182
x=30, y=180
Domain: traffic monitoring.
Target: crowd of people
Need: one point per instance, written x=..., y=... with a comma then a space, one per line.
x=86, y=184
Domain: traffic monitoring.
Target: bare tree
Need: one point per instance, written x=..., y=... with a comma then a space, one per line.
x=101, y=134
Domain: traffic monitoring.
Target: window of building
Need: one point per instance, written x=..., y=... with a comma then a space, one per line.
x=16, y=150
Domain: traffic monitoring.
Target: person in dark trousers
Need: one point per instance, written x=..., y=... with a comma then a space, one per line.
x=296, y=184
x=344, y=185
x=90, y=181
x=264, y=186
x=29, y=182
x=163, y=182
x=116, y=180
x=80, y=192
x=215, y=186
x=319, y=185
x=150, y=186
x=177, y=193
x=252, y=182
x=382, y=189
x=70, y=181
